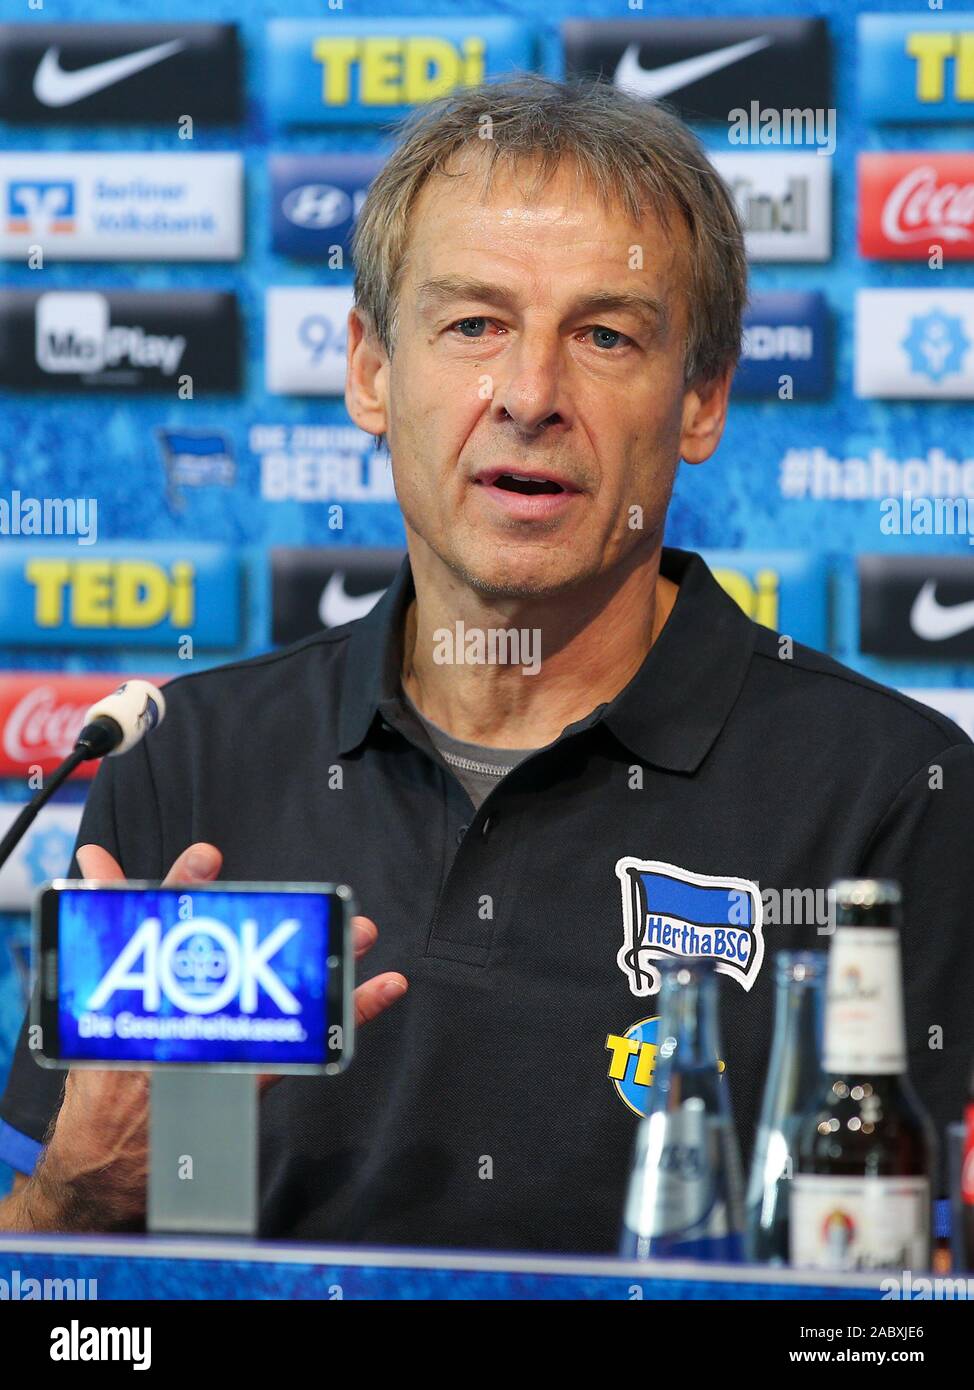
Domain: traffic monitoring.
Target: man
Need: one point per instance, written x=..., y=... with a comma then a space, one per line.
x=545, y=710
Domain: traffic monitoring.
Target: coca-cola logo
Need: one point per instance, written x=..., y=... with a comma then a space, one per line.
x=40, y=726
x=43, y=712
x=921, y=207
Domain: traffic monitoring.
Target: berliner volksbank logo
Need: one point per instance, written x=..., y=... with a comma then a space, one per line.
x=669, y=911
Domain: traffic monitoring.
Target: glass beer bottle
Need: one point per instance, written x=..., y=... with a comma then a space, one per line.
x=861, y=1196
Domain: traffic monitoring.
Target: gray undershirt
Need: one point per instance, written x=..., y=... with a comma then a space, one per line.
x=476, y=767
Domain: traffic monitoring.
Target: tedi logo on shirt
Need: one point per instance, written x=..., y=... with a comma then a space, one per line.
x=669, y=911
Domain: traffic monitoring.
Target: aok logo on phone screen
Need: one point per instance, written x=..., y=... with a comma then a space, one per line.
x=200, y=966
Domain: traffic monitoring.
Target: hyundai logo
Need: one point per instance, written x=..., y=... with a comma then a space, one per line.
x=317, y=205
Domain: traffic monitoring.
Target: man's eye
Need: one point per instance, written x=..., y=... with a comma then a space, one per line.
x=477, y=325
x=608, y=337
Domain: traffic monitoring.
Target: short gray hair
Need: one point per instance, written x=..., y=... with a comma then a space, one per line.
x=634, y=153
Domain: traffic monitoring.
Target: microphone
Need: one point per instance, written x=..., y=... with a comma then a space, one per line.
x=118, y=721
x=113, y=725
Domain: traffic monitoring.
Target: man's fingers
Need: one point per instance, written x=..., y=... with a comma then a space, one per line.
x=95, y=862
x=197, y=864
x=372, y=998
x=364, y=935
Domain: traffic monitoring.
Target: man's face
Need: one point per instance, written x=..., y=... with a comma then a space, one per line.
x=540, y=340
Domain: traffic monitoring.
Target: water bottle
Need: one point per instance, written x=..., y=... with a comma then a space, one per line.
x=684, y=1199
x=794, y=1079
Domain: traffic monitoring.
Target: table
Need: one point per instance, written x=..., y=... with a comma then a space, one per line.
x=167, y=1267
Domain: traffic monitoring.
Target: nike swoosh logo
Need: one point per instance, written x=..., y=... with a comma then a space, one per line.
x=55, y=87
x=659, y=82
x=935, y=623
x=336, y=607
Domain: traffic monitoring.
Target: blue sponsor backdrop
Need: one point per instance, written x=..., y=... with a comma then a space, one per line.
x=314, y=201
x=366, y=84
x=180, y=472
x=785, y=332
x=111, y=594
x=891, y=88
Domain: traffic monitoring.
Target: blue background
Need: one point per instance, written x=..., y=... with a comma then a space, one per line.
x=106, y=447
x=216, y=590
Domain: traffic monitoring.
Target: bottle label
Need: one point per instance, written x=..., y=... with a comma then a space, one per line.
x=967, y=1163
x=678, y=1195
x=842, y=1223
x=864, y=1030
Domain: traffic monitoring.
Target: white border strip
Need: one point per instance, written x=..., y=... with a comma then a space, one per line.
x=213, y=1248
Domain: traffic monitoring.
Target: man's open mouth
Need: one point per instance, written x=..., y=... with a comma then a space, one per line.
x=513, y=482
x=527, y=484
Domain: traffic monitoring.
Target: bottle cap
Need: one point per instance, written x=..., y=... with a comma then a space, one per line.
x=678, y=971
x=800, y=965
x=866, y=902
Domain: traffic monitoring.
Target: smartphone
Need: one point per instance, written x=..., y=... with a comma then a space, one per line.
x=237, y=976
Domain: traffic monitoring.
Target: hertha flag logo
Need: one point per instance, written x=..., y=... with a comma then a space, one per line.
x=669, y=911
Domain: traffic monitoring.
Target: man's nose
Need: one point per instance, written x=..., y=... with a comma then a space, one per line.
x=529, y=386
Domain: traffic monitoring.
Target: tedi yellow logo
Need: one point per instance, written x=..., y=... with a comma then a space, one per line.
x=932, y=49
x=634, y=1061
x=123, y=594
x=396, y=71
x=632, y=1067
x=758, y=596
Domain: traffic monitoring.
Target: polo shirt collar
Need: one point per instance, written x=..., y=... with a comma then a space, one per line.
x=373, y=675
x=671, y=712
x=675, y=706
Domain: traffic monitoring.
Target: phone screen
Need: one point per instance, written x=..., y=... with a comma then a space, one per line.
x=221, y=975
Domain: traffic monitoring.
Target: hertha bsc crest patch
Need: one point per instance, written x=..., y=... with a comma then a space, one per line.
x=669, y=911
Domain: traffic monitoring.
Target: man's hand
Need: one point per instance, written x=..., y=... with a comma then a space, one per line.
x=93, y=1173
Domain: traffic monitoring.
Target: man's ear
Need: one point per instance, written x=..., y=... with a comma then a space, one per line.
x=704, y=414
x=366, y=376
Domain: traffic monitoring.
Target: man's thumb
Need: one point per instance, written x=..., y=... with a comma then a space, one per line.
x=95, y=862
x=197, y=864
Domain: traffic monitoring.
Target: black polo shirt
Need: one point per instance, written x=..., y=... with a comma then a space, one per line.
x=481, y=1110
